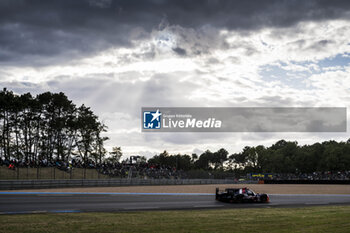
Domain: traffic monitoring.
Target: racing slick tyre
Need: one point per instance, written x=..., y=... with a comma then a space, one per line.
x=263, y=198
x=239, y=199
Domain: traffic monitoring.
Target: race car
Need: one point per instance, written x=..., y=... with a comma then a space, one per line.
x=240, y=195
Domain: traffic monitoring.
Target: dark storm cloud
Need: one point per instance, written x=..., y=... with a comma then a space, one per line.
x=43, y=32
x=180, y=51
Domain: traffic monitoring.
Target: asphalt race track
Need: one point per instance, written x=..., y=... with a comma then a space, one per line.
x=36, y=202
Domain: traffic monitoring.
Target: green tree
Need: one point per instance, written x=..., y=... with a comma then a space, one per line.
x=218, y=158
x=204, y=160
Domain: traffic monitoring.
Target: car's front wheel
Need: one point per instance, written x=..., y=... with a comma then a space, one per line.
x=239, y=199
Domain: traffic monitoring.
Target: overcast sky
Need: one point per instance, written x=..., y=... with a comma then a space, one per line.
x=117, y=56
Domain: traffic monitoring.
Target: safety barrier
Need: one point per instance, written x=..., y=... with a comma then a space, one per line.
x=36, y=184
x=307, y=181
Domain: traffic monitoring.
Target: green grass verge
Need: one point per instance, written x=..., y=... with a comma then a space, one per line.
x=313, y=219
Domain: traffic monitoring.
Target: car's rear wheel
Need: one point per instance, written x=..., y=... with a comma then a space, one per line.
x=263, y=198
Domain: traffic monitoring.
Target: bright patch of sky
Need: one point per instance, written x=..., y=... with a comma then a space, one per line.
x=294, y=74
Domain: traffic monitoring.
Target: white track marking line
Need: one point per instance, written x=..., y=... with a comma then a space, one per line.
x=204, y=206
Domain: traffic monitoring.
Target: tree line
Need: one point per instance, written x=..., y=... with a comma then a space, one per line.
x=281, y=157
x=48, y=126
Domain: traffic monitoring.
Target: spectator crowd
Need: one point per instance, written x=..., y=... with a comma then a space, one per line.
x=147, y=170
x=116, y=169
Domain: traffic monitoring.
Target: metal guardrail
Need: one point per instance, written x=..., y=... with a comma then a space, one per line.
x=36, y=184
x=346, y=182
